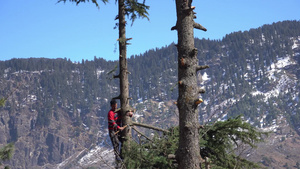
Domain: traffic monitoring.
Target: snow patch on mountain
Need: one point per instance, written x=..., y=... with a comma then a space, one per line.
x=276, y=73
x=281, y=87
x=296, y=43
x=205, y=77
x=98, y=155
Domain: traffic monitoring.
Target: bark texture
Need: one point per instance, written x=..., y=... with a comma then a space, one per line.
x=124, y=86
x=188, y=153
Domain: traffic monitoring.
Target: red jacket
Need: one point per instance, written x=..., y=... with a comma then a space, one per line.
x=114, y=120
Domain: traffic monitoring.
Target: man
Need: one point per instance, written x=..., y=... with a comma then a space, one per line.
x=115, y=126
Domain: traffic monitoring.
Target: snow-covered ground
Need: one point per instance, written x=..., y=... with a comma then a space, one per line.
x=275, y=73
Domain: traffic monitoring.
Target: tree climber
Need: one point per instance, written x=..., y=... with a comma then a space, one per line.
x=115, y=126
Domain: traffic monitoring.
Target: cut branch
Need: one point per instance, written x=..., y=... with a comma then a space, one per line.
x=189, y=9
x=172, y=156
x=141, y=134
x=183, y=62
x=201, y=90
x=198, y=101
x=201, y=67
x=194, y=52
x=117, y=98
x=181, y=82
x=116, y=76
x=198, y=26
x=174, y=28
x=149, y=127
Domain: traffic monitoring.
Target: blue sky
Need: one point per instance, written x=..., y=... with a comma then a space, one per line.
x=43, y=28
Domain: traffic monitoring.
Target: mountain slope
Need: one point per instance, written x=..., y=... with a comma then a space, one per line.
x=56, y=110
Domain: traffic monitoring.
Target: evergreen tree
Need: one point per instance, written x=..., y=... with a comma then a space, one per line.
x=188, y=154
x=219, y=145
x=132, y=9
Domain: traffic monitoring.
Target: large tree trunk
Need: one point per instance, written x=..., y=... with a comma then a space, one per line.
x=124, y=86
x=188, y=153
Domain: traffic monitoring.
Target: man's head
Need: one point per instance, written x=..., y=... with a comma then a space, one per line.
x=113, y=104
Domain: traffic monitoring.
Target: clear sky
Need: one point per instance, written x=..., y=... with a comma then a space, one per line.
x=43, y=28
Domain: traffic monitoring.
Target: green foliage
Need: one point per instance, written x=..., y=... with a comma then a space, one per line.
x=153, y=154
x=2, y=102
x=6, y=153
x=223, y=139
x=134, y=9
x=73, y=86
x=219, y=142
x=80, y=1
x=154, y=73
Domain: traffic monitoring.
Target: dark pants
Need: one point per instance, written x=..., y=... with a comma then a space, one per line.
x=116, y=141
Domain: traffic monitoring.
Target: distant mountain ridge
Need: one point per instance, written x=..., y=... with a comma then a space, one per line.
x=57, y=107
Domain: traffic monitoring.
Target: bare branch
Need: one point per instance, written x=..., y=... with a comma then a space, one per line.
x=141, y=134
x=198, y=101
x=200, y=90
x=118, y=97
x=174, y=28
x=201, y=67
x=171, y=156
x=149, y=126
x=116, y=76
x=198, y=26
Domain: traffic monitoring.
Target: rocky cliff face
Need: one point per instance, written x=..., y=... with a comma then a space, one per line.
x=38, y=146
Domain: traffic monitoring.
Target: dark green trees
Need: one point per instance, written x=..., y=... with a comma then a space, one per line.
x=6, y=152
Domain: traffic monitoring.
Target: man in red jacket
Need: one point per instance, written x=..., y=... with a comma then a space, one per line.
x=115, y=126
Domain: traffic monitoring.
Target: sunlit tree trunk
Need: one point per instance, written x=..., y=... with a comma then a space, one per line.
x=124, y=86
x=188, y=153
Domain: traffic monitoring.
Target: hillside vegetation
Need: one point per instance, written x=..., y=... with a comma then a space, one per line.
x=57, y=108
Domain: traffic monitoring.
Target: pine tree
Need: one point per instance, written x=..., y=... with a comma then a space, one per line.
x=131, y=9
x=219, y=145
x=187, y=155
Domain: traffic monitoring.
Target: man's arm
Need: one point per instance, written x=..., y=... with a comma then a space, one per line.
x=111, y=120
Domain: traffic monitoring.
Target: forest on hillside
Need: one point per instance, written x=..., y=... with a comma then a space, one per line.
x=154, y=74
x=242, y=64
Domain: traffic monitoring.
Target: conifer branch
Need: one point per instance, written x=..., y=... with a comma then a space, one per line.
x=79, y=1
x=113, y=70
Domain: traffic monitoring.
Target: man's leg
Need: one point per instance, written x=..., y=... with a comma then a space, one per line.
x=120, y=142
x=115, y=142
